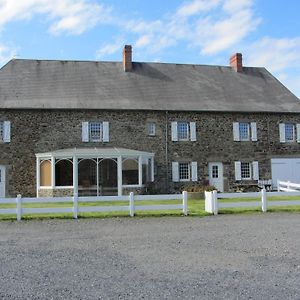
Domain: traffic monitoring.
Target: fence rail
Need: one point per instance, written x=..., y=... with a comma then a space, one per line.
x=212, y=203
x=76, y=208
x=287, y=186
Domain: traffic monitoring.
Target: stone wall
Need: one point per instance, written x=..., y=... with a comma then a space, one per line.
x=37, y=131
x=56, y=192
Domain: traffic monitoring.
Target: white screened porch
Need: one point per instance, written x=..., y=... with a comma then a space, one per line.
x=92, y=171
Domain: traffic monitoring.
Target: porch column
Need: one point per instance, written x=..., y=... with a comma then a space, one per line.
x=75, y=175
x=52, y=172
x=152, y=169
x=120, y=176
x=140, y=171
x=37, y=175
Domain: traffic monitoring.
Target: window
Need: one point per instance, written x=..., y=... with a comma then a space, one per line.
x=215, y=171
x=151, y=128
x=244, y=129
x=64, y=172
x=184, y=171
x=96, y=131
x=289, y=132
x=245, y=170
x=1, y=131
x=183, y=131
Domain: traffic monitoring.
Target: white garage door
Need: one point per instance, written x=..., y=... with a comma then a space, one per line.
x=286, y=169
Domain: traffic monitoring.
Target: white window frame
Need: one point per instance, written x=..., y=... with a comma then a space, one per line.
x=187, y=124
x=243, y=139
x=250, y=171
x=1, y=131
x=96, y=123
x=151, y=127
x=293, y=132
x=189, y=171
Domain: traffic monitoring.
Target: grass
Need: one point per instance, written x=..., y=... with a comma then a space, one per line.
x=195, y=208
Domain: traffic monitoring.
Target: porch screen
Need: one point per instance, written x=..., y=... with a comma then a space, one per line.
x=45, y=173
x=64, y=173
x=130, y=172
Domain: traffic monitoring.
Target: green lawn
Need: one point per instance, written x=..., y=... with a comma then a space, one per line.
x=195, y=208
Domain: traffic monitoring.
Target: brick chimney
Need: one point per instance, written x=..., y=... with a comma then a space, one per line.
x=127, y=58
x=236, y=62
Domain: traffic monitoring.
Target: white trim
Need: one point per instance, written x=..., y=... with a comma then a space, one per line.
x=85, y=134
x=298, y=132
x=253, y=131
x=6, y=131
x=174, y=131
x=105, y=127
x=282, y=133
x=194, y=167
x=175, y=171
x=237, y=169
x=236, y=131
x=193, y=133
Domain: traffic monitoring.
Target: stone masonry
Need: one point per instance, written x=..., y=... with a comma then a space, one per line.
x=37, y=131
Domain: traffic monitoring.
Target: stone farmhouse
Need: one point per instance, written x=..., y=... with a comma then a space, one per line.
x=106, y=128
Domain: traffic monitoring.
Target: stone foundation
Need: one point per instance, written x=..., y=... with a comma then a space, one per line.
x=56, y=192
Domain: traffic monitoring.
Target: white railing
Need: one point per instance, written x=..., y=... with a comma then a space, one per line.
x=212, y=203
x=287, y=186
x=19, y=210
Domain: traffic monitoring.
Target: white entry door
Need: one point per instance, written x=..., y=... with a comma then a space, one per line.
x=2, y=181
x=216, y=175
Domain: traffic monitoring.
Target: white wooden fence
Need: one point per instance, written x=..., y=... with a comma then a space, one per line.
x=20, y=210
x=212, y=203
x=287, y=186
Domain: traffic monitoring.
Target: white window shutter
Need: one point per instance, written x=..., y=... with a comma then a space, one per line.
x=282, y=132
x=105, y=131
x=6, y=131
x=193, y=131
x=255, y=170
x=194, y=166
x=175, y=171
x=174, y=131
x=237, y=168
x=253, y=132
x=85, y=131
x=236, y=131
x=298, y=133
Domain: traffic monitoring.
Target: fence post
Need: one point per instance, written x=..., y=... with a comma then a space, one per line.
x=184, y=203
x=263, y=200
x=19, y=207
x=75, y=206
x=278, y=187
x=288, y=185
x=131, y=204
x=215, y=202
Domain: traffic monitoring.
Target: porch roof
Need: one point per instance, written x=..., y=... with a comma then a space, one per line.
x=94, y=152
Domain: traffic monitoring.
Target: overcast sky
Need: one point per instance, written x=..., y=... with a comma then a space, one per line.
x=196, y=31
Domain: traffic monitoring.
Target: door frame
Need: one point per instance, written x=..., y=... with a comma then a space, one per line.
x=220, y=172
x=3, y=177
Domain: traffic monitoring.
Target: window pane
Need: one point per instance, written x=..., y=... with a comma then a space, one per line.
x=245, y=170
x=183, y=130
x=289, y=132
x=96, y=131
x=151, y=128
x=244, y=131
x=184, y=171
x=130, y=172
x=215, y=172
x=64, y=173
x=45, y=173
x=1, y=130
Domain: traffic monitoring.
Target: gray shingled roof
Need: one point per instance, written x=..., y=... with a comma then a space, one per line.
x=151, y=86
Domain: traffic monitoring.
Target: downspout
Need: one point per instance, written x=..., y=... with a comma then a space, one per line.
x=166, y=153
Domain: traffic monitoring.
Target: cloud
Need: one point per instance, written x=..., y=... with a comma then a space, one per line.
x=111, y=48
x=280, y=56
x=6, y=53
x=69, y=16
x=211, y=26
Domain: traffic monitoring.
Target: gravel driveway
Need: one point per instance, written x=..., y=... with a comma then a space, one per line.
x=224, y=257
